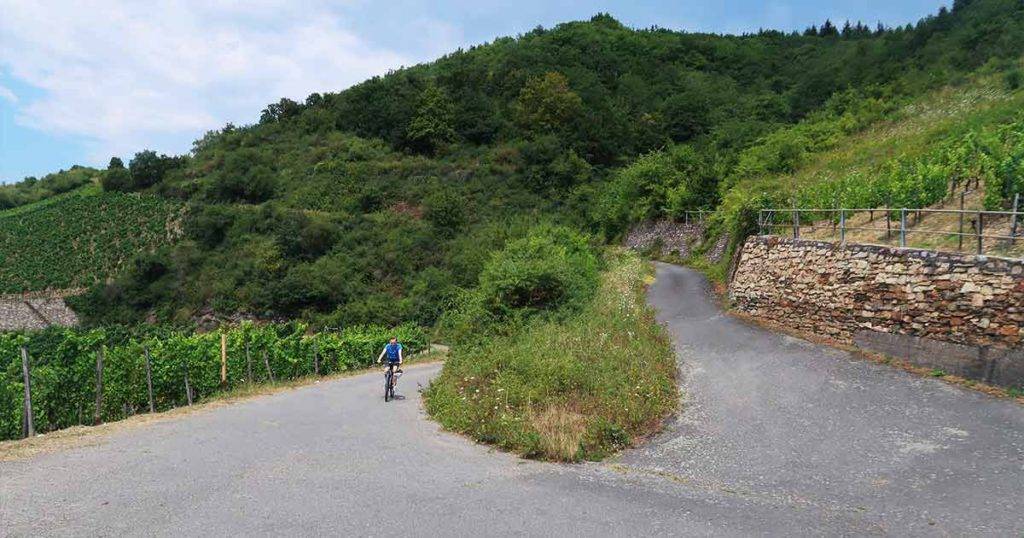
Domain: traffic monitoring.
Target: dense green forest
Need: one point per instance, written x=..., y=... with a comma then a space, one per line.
x=384, y=202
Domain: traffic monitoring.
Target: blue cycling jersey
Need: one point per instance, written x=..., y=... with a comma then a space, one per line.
x=392, y=351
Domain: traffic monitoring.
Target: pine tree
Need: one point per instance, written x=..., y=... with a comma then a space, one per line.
x=828, y=29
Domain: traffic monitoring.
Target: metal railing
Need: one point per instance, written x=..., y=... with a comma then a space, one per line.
x=979, y=227
x=696, y=216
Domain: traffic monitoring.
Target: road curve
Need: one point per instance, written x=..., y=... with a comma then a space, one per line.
x=777, y=437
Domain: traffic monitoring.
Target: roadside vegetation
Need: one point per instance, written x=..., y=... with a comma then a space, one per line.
x=566, y=386
x=64, y=366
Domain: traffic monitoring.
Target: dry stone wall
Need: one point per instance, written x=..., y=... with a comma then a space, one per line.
x=34, y=311
x=673, y=237
x=928, y=305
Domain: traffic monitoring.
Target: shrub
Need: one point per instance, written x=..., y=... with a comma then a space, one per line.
x=1014, y=79
x=549, y=268
x=570, y=389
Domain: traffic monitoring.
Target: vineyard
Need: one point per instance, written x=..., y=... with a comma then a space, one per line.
x=63, y=367
x=992, y=156
x=79, y=238
x=918, y=154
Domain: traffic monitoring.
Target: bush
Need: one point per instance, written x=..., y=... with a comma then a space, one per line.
x=1014, y=79
x=570, y=389
x=549, y=268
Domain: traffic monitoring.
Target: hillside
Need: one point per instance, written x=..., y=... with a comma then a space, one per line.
x=383, y=203
x=81, y=237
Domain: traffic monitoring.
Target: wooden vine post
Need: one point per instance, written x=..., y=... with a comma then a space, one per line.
x=1013, y=218
x=149, y=378
x=266, y=362
x=316, y=360
x=223, y=359
x=30, y=429
x=960, y=235
x=248, y=361
x=97, y=415
x=188, y=385
x=981, y=231
x=888, y=223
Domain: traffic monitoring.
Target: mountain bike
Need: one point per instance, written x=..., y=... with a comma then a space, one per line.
x=390, y=380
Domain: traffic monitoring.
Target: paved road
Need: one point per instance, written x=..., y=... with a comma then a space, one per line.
x=778, y=437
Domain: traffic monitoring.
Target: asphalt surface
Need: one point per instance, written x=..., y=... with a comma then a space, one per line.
x=777, y=437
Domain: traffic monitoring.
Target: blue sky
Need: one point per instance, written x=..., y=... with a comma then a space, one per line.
x=80, y=84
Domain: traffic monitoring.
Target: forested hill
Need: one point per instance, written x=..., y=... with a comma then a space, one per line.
x=382, y=202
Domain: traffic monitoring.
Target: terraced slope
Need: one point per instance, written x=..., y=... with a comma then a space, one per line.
x=79, y=238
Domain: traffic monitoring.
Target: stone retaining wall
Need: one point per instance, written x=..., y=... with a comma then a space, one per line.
x=29, y=313
x=842, y=291
x=674, y=237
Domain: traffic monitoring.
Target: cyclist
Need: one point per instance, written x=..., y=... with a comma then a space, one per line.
x=393, y=350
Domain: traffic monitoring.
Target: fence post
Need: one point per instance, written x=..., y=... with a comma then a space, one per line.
x=1013, y=224
x=888, y=224
x=316, y=359
x=266, y=362
x=30, y=429
x=796, y=224
x=842, y=226
x=188, y=386
x=248, y=361
x=149, y=379
x=960, y=236
x=903, y=227
x=981, y=230
x=223, y=359
x=97, y=415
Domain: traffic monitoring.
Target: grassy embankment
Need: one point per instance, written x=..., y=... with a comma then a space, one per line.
x=571, y=389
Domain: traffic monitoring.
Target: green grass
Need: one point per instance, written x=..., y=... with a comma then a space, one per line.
x=566, y=390
x=80, y=237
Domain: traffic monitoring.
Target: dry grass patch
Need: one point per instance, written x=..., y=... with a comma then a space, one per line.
x=561, y=431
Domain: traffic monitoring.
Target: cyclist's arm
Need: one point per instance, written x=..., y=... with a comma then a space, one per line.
x=400, y=353
x=382, y=352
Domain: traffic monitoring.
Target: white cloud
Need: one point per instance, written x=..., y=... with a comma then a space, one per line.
x=130, y=75
x=7, y=95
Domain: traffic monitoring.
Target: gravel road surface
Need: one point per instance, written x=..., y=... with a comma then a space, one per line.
x=777, y=437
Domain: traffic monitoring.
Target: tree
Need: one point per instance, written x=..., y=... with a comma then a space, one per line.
x=547, y=104
x=115, y=162
x=244, y=177
x=147, y=168
x=283, y=109
x=690, y=111
x=828, y=29
x=431, y=127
